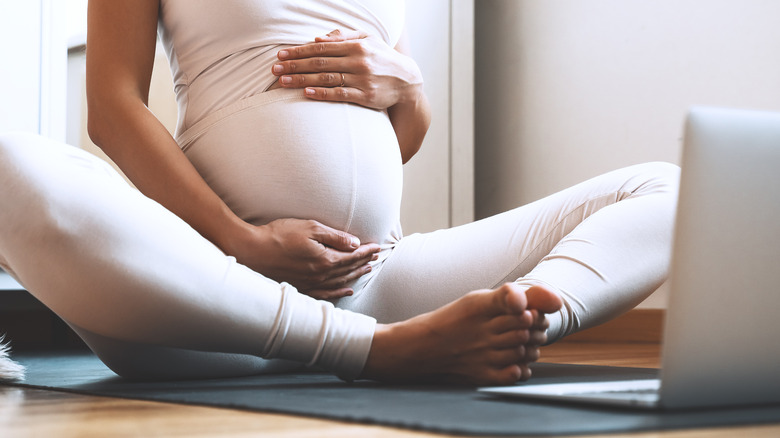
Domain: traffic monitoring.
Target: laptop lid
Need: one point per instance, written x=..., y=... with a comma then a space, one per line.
x=721, y=343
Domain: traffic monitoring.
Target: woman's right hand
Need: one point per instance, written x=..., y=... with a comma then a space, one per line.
x=318, y=260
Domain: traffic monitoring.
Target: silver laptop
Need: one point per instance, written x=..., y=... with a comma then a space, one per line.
x=722, y=329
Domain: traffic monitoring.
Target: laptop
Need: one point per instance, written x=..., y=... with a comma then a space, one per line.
x=721, y=344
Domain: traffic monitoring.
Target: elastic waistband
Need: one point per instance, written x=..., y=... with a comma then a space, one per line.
x=192, y=133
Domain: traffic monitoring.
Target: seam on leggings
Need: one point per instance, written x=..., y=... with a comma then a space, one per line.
x=323, y=335
x=271, y=345
x=558, y=224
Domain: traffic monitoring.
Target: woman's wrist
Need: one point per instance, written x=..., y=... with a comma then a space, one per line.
x=235, y=236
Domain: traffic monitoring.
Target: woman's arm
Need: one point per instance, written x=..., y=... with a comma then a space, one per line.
x=351, y=66
x=122, y=39
x=411, y=117
x=121, y=44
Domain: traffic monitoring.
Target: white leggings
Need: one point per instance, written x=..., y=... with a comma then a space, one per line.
x=154, y=299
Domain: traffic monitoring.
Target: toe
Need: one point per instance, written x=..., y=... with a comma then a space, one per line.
x=513, y=300
x=510, y=339
x=543, y=300
x=505, y=323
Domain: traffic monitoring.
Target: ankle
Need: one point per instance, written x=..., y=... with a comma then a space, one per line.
x=389, y=358
x=376, y=363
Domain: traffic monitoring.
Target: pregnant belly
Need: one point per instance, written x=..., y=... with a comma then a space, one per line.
x=280, y=155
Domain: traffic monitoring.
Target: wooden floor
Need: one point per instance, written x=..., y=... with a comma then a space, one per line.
x=36, y=413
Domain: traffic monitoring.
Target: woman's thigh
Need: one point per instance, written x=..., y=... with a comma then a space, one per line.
x=116, y=264
x=426, y=271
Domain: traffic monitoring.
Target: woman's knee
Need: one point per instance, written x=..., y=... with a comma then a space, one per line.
x=14, y=147
x=30, y=194
x=15, y=165
x=663, y=170
x=655, y=178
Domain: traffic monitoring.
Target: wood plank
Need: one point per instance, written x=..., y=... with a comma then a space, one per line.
x=637, y=325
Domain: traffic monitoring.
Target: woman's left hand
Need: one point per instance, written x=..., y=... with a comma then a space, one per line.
x=350, y=66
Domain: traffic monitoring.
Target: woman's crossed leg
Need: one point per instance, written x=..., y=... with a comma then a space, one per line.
x=154, y=299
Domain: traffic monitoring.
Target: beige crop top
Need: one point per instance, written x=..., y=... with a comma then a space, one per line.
x=222, y=51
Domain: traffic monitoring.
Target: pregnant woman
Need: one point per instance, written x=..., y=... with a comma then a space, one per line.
x=268, y=233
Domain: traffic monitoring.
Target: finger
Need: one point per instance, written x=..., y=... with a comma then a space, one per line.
x=342, y=280
x=337, y=94
x=335, y=268
x=327, y=79
x=325, y=294
x=334, y=259
x=341, y=35
x=318, y=49
x=335, y=238
x=334, y=35
x=347, y=268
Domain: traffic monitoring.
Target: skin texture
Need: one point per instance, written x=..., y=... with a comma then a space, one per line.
x=486, y=337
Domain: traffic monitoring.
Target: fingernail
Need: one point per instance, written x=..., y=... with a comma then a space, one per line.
x=278, y=68
x=354, y=241
x=284, y=53
x=286, y=80
x=309, y=91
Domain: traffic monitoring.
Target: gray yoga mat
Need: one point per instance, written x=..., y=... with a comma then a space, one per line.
x=454, y=410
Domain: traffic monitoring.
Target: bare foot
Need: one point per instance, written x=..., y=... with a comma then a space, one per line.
x=487, y=337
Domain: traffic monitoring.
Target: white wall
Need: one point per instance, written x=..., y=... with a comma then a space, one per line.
x=568, y=89
x=439, y=180
x=32, y=67
x=426, y=202
x=20, y=71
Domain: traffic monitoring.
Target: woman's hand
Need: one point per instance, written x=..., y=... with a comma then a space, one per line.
x=350, y=66
x=318, y=260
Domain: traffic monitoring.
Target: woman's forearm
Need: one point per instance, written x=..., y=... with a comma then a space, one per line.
x=141, y=146
x=122, y=39
x=411, y=116
x=410, y=119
